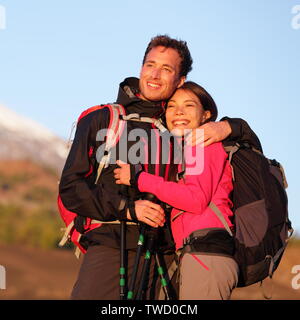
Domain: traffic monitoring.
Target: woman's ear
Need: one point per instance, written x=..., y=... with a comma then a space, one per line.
x=181, y=81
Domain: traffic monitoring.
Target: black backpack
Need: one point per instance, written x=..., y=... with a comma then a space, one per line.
x=260, y=206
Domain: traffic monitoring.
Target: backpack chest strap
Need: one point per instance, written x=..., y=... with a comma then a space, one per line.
x=136, y=117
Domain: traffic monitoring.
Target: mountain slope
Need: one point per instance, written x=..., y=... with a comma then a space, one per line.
x=22, y=138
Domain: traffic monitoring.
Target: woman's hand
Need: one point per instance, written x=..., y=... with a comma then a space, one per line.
x=149, y=213
x=122, y=174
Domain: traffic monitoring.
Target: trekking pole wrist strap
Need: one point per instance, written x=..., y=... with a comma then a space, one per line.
x=135, y=171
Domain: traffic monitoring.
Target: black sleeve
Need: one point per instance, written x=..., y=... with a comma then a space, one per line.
x=77, y=187
x=241, y=132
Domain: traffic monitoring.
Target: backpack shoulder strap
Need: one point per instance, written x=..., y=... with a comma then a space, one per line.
x=115, y=129
x=231, y=150
x=219, y=214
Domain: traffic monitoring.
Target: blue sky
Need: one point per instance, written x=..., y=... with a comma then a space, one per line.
x=60, y=57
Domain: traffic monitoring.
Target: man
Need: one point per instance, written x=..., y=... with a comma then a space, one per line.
x=165, y=66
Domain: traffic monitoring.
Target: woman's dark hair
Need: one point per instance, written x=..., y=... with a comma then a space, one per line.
x=205, y=98
x=178, y=45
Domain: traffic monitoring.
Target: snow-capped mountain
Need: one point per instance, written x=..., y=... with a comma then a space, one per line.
x=23, y=138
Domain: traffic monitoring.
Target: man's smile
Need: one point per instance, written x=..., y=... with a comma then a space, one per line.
x=153, y=85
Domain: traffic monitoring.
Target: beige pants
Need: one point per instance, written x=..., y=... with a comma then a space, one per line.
x=207, y=277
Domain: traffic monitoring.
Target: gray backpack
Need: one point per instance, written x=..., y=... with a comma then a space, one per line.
x=262, y=226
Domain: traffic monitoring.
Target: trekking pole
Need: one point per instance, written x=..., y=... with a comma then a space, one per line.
x=151, y=241
x=122, y=260
x=163, y=281
x=122, y=271
x=140, y=245
x=151, y=237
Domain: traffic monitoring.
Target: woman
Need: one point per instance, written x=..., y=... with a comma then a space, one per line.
x=207, y=269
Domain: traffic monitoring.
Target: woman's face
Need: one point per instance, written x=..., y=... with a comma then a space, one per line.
x=185, y=111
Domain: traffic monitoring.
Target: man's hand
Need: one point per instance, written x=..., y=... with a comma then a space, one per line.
x=122, y=174
x=213, y=132
x=149, y=213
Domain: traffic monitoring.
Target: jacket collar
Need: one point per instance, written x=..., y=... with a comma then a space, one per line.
x=128, y=97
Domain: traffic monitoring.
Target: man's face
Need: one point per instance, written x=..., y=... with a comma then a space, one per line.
x=159, y=76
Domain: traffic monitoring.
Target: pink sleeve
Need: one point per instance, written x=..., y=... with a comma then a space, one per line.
x=196, y=192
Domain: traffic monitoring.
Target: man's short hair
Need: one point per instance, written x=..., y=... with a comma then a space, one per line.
x=178, y=45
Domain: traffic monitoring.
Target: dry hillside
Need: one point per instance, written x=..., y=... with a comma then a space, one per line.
x=50, y=274
x=28, y=213
x=30, y=230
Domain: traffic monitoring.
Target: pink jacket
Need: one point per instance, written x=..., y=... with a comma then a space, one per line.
x=194, y=193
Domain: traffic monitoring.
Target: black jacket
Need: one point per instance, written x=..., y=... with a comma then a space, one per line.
x=78, y=193
x=101, y=201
